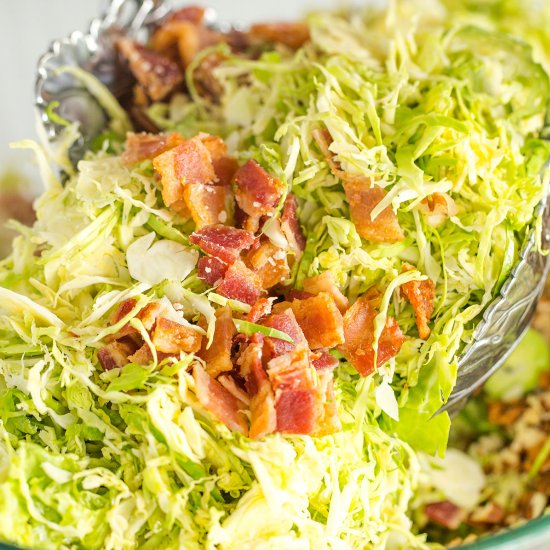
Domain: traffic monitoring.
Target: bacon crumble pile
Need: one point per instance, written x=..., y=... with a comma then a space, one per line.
x=256, y=384
x=159, y=68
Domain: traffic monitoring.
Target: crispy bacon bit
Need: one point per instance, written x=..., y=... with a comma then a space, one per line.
x=263, y=417
x=180, y=207
x=239, y=283
x=257, y=192
x=421, y=295
x=327, y=421
x=437, y=208
x=322, y=360
x=208, y=204
x=294, y=294
x=185, y=38
x=194, y=14
x=187, y=163
x=215, y=145
x=171, y=337
x=149, y=314
x=217, y=400
x=324, y=140
x=229, y=383
x=114, y=355
x=291, y=228
x=193, y=162
x=123, y=309
x=261, y=309
x=320, y=320
x=211, y=270
x=144, y=356
x=269, y=263
x=224, y=166
x=293, y=380
x=207, y=85
x=158, y=75
x=359, y=335
x=218, y=356
x=145, y=146
x=224, y=243
x=363, y=198
x=325, y=283
x=491, y=513
x=291, y=34
x=444, y=513
x=285, y=322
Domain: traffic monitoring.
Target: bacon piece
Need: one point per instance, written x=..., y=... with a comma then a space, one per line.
x=229, y=383
x=291, y=228
x=270, y=264
x=325, y=283
x=123, y=309
x=208, y=86
x=114, y=355
x=224, y=166
x=143, y=146
x=285, y=322
x=293, y=380
x=193, y=162
x=257, y=192
x=421, y=295
x=149, y=314
x=193, y=14
x=437, y=207
x=144, y=356
x=218, y=401
x=263, y=417
x=291, y=34
x=327, y=421
x=294, y=294
x=239, y=283
x=215, y=145
x=184, y=37
x=444, y=513
x=224, y=243
x=261, y=309
x=324, y=140
x=208, y=204
x=491, y=514
x=363, y=198
x=158, y=75
x=218, y=356
x=211, y=270
x=127, y=330
x=171, y=337
x=322, y=360
x=187, y=163
x=320, y=321
x=359, y=335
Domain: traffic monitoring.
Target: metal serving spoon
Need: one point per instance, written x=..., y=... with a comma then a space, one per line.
x=505, y=319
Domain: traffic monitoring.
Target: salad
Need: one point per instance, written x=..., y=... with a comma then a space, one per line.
x=236, y=329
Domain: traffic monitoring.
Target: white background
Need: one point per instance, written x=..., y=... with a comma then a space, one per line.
x=27, y=27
